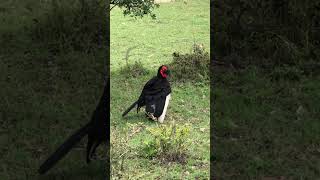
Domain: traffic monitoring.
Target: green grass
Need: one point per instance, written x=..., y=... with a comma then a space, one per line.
x=45, y=98
x=265, y=128
x=176, y=28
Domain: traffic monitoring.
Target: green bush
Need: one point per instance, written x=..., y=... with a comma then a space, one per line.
x=191, y=67
x=168, y=143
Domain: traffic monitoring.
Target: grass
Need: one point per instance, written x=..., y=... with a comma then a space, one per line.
x=152, y=42
x=177, y=27
x=46, y=97
x=265, y=127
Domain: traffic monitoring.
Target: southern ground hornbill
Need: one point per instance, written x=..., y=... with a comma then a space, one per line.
x=155, y=96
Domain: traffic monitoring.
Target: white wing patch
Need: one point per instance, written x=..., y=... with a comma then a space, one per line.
x=161, y=118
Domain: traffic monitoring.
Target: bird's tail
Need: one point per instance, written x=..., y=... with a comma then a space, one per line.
x=64, y=149
x=129, y=109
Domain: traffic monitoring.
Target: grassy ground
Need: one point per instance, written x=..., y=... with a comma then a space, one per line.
x=266, y=126
x=177, y=27
x=46, y=96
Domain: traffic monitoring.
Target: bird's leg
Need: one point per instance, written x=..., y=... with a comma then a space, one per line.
x=93, y=152
x=89, y=145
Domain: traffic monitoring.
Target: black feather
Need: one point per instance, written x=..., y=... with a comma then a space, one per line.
x=129, y=109
x=64, y=149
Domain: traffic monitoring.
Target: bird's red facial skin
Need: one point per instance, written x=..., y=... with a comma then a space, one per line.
x=162, y=71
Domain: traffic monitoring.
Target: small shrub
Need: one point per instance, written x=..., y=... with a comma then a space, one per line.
x=191, y=67
x=168, y=143
x=135, y=70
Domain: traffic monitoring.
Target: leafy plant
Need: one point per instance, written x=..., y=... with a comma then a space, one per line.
x=191, y=67
x=168, y=143
x=136, y=8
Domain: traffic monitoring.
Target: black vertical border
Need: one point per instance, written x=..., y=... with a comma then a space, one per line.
x=107, y=78
x=211, y=92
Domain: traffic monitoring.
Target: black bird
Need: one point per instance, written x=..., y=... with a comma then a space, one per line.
x=97, y=131
x=155, y=96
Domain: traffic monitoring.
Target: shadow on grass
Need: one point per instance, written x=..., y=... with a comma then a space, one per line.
x=94, y=170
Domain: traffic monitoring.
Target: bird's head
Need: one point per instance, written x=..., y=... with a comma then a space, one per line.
x=163, y=71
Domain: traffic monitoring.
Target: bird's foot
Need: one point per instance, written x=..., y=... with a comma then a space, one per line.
x=151, y=116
